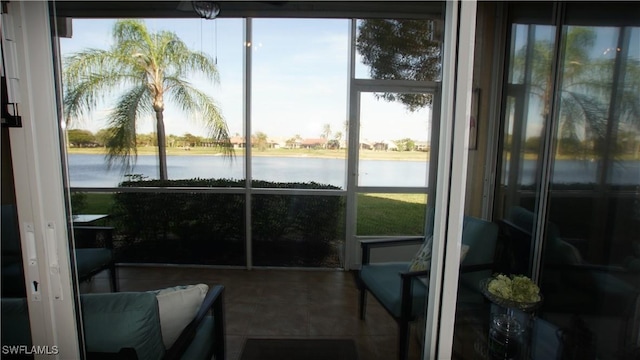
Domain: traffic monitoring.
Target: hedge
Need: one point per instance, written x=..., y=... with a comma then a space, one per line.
x=197, y=222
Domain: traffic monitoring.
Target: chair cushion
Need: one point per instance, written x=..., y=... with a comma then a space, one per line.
x=117, y=320
x=383, y=280
x=89, y=260
x=177, y=307
x=481, y=237
x=202, y=345
x=15, y=322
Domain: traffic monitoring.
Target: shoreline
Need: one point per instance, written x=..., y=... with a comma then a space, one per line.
x=308, y=153
x=299, y=153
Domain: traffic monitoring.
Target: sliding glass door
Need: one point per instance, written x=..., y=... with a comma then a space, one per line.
x=570, y=174
x=46, y=189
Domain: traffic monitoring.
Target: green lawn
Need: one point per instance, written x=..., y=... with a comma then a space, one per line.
x=391, y=214
x=92, y=203
x=378, y=214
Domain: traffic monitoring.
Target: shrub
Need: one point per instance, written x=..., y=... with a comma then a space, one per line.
x=214, y=222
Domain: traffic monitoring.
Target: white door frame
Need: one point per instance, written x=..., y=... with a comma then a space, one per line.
x=457, y=74
x=40, y=199
x=357, y=87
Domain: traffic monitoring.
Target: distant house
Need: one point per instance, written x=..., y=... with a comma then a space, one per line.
x=380, y=146
x=366, y=145
x=385, y=145
x=313, y=143
x=277, y=143
x=238, y=142
x=422, y=146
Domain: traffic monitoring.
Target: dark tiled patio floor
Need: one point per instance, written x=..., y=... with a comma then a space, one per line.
x=274, y=303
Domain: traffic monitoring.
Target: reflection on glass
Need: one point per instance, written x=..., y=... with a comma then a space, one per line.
x=593, y=211
x=298, y=230
x=594, y=219
x=391, y=214
x=299, y=94
x=104, y=131
x=394, y=144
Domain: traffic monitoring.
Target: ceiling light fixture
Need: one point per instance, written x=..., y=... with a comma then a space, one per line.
x=206, y=9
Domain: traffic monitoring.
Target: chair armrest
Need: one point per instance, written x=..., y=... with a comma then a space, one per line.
x=407, y=282
x=91, y=235
x=415, y=274
x=214, y=301
x=368, y=244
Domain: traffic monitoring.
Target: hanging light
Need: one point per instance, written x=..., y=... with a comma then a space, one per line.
x=206, y=9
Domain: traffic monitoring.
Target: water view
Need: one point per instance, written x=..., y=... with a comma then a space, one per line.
x=91, y=170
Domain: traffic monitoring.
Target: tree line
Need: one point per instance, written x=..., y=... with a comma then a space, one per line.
x=80, y=138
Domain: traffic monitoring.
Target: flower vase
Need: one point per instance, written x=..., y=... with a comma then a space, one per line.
x=505, y=337
x=506, y=332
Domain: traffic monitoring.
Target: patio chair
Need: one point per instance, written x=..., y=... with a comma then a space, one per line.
x=403, y=293
x=129, y=326
x=94, y=253
x=571, y=285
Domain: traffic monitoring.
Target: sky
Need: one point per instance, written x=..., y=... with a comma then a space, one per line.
x=299, y=78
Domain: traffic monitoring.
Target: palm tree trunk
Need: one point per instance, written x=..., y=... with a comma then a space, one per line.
x=162, y=145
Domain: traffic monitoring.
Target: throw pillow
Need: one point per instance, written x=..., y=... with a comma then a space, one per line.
x=463, y=252
x=422, y=260
x=177, y=306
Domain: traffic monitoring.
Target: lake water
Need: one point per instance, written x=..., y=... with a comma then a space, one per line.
x=91, y=171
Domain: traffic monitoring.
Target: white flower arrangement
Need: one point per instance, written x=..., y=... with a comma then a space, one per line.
x=516, y=288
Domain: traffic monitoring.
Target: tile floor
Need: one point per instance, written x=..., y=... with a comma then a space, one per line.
x=274, y=303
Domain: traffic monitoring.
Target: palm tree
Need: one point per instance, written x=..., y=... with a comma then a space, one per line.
x=586, y=92
x=261, y=140
x=326, y=131
x=150, y=67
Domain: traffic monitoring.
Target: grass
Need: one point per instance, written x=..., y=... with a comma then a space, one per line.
x=391, y=214
x=96, y=204
x=378, y=214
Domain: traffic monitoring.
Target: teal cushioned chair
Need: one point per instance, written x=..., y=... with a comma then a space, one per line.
x=570, y=285
x=93, y=253
x=126, y=326
x=403, y=293
x=15, y=322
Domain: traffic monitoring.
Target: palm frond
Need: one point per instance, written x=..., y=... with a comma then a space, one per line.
x=202, y=108
x=180, y=61
x=121, y=145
